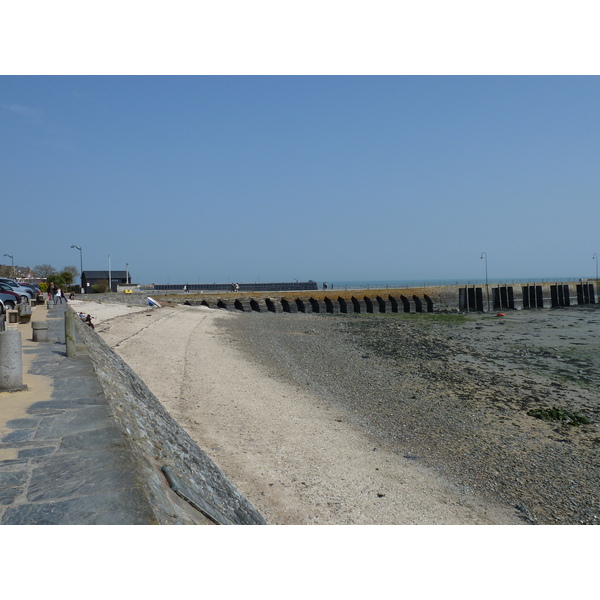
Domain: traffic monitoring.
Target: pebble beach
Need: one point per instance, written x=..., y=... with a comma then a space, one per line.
x=381, y=418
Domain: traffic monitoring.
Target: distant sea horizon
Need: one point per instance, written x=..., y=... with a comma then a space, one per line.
x=409, y=283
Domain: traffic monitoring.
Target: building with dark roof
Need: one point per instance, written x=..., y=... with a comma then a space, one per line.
x=90, y=278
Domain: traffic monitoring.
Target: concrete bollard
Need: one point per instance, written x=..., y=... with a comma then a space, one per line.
x=11, y=363
x=12, y=319
x=70, y=333
x=24, y=313
x=40, y=331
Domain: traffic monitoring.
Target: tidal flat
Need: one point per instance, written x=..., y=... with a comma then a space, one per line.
x=456, y=392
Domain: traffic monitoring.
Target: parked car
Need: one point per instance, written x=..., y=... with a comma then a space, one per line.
x=34, y=287
x=37, y=293
x=9, y=300
x=10, y=286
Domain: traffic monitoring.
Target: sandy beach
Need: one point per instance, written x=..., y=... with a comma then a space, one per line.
x=379, y=419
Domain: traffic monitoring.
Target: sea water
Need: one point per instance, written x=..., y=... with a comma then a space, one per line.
x=415, y=283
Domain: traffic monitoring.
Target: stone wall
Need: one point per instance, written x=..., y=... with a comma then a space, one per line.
x=135, y=299
x=168, y=459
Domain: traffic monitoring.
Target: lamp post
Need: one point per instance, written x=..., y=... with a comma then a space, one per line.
x=487, y=289
x=80, y=264
x=12, y=264
x=595, y=257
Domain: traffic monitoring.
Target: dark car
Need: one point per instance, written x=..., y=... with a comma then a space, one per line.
x=25, y=293
x=34, y=288
x=10, y=300
x=31, y=286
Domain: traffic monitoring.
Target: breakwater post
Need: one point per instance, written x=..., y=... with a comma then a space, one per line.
x=70, y=332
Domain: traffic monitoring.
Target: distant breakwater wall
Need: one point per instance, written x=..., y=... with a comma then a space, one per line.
x=284, y=286
x=443, y=298
x=182, y=484
x=314, y=303
x=475, y=298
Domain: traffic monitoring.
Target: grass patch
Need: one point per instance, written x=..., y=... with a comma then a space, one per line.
x=559, y=414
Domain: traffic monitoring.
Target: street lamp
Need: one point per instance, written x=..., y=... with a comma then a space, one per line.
x=487, y=289
x=595, y=257
x=12, y=263
x=81, y=264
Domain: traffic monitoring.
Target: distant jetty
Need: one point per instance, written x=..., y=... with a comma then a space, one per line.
x=305, y=296
x=298, y=297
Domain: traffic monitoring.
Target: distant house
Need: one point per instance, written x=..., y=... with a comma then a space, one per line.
x=90, y=278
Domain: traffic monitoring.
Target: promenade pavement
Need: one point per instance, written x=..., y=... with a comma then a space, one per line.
x=62, y=458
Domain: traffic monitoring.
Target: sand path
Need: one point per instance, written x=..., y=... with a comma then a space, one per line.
x=39, y=388
x=284, y=449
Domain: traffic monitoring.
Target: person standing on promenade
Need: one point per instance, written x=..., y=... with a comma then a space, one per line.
x=58, y=296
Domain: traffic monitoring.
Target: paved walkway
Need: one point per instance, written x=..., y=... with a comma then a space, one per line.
x=62, y=458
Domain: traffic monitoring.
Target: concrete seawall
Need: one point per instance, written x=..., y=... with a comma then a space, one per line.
x=162, y=450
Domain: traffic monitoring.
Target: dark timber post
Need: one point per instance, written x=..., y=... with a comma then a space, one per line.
x=487, y=289
x=70, y=332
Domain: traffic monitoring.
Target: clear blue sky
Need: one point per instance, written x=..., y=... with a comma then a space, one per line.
x=274, y=178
